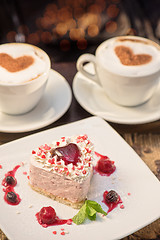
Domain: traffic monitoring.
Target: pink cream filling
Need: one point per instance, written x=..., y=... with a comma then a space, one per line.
x=58, y=185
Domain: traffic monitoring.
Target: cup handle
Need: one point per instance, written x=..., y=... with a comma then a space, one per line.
x=87, y=58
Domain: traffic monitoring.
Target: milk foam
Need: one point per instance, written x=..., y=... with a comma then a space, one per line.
x=33, y=71
x=110, y=60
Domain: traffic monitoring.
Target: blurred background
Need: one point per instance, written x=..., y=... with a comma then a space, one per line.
x=66, y=29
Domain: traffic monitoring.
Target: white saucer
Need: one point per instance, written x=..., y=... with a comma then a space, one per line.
x=93, y=99
x=55, y=102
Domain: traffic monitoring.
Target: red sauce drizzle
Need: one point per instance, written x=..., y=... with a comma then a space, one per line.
x=47, y=217
x=105, y=167
x=111, y=205
x=9, y=187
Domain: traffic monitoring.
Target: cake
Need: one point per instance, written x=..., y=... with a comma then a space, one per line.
x=62, y=170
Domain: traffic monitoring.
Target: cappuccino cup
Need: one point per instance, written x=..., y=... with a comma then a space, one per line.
x=24, y=70
x=126, y=67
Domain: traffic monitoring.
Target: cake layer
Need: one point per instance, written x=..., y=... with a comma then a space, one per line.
x=58, y=187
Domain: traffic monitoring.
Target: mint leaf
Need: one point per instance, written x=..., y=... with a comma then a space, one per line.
x=80, y=216
x=96, y=206
x=92, y=218
x=88, y=210
x=91, y=213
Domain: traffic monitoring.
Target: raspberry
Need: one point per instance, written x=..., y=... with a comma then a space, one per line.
x=105, y=165
x=47, y=215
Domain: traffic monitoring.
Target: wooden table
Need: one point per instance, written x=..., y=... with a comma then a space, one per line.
x=144, y=138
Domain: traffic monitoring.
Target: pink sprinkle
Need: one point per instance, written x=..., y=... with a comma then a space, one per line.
x=88, y=150
x=33, y=152
x=122, y=206
x=51, y=161
x=85, y=137
x=80, y=168
x=129, y=194
x=46, y=147
x=43, y=156
x=62, y=229
x=55, y=232
x=62, y=233
x=58, y=143
x=0, y=166
x=28, y=177
x=39, y=153
x=25, y=173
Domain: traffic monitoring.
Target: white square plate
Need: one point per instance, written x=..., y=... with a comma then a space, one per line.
x=132, y=176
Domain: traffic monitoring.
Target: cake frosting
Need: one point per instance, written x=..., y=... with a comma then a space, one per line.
x=63, y=169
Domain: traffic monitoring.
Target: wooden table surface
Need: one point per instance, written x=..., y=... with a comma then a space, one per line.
x=144, y=138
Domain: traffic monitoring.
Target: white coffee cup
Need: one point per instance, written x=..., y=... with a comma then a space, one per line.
x=126, y=67
x=24, y=71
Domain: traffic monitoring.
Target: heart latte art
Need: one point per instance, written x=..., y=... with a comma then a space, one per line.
x=15, y=64
x=20, y=63
x=127, y=57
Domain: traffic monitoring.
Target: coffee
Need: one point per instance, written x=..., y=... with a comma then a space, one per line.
x=126, y=67
x=20, y=63
x=24, y=71
x=130, y=57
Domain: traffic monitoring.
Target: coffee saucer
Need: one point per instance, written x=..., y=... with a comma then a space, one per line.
x=93, y=99
x=54, y=103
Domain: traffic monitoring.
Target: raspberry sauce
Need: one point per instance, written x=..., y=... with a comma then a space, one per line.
x=69, y=153
x=47, y=217
x=105, y=167
x=9, y=182
x=111, y=204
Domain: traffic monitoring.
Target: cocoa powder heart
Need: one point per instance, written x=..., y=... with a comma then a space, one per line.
x=127, y=57
x=15, y=64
